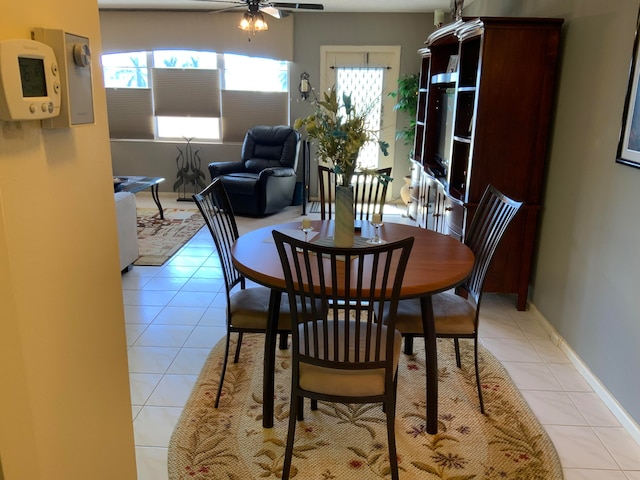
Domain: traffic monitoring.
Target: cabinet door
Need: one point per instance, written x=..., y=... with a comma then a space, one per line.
x=423, y=203
x=454, y=217
x=414, y=190
x=433, y=204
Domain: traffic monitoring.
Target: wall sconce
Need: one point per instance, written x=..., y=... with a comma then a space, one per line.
x=305, y=86
x=438, y=18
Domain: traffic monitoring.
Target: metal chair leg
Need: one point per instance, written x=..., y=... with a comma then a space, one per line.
x=475, y=353
x=300, y=409
x=391, y=435
x=457, y=345
x=238, y=345
x=288, y=452
x=408, y=345
x=224, y=369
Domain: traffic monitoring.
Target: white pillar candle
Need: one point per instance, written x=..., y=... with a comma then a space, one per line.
x=306, y=223
x=376, y=218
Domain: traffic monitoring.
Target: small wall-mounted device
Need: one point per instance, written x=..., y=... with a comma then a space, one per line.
x=29, y=81
x=74, y=57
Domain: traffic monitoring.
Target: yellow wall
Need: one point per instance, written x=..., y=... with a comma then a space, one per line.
x=64, y=404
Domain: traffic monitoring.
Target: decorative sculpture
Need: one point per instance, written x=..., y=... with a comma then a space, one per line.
x=189, y=172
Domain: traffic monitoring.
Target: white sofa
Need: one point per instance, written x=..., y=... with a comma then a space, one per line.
x=127, y=229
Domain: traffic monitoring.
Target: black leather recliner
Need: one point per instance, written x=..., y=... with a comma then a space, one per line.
x=263, y=182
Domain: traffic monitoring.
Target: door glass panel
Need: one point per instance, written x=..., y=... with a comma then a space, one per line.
x=364, y=84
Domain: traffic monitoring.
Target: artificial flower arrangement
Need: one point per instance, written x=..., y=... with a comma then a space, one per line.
x=339, y=131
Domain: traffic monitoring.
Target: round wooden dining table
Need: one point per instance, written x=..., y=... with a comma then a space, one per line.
x=437, y=263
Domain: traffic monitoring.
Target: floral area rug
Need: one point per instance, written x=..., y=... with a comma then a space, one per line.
x=349, y=441
x=159, y=239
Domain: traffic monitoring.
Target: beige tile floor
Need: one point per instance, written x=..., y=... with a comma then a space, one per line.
x=175, y=314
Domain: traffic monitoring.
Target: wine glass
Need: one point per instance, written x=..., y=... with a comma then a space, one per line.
x=376, y=222
x=306, y=227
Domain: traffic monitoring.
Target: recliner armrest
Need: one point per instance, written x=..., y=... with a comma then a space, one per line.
x=277, y=172
x=223, y=168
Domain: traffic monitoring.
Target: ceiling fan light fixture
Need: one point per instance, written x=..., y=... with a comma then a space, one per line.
x=246, y=22
x=259, y=24
x=253, y=20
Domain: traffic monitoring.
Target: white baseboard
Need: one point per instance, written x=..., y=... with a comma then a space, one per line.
x=610, y=401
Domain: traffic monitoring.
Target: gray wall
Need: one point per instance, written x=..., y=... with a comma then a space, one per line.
x=311, y=30
x=587, y=272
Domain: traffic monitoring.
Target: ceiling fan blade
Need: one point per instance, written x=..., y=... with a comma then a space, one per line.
x=274, y=12
x=298, y=6
x=235, y=5
x=223, y=10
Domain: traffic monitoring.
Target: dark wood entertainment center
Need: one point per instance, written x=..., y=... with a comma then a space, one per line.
x=486, y=94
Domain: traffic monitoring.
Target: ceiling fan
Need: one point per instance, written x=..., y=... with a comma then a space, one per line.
x=253, y=20
x=275, y=9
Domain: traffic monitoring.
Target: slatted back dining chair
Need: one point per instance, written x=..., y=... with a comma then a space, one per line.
x=341, y=353
x=369, y=192
x=247, y=308
x=455, y=316
x=326, y=179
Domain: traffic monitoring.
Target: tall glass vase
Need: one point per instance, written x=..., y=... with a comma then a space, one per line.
x=344, y=230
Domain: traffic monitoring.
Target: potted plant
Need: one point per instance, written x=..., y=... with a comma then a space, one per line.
x=406, y=96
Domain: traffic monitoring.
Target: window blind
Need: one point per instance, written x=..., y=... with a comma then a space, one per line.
x=242, y=110
x=191, y=92
x=130, y=113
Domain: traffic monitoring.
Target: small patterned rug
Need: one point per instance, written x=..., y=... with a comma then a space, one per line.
x=341, y=442
x=159, y=239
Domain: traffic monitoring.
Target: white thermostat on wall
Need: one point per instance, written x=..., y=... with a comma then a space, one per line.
x=29, y=81
x=74, y=59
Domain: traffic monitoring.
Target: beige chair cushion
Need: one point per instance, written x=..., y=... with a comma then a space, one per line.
x=250, y=309
x=453, y=314
x=332, y=381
